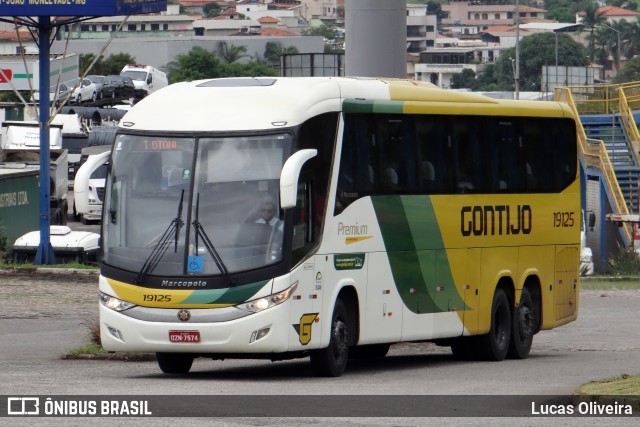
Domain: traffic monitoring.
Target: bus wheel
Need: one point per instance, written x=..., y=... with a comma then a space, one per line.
x=369, y=352
x=495, y=344
x=332, y=361
x=174, y=363
x=523, y=327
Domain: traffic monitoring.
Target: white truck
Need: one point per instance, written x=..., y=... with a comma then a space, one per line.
x=26, y=135
x=146, y=79
x=586, y=254
x=89, y=183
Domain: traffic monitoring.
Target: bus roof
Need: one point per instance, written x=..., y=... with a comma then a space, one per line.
x=267, y=103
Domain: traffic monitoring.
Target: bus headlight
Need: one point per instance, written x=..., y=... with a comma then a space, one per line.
x=260, y=304
x=114, y=303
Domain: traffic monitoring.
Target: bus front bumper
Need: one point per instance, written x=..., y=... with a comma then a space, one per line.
x=264, y=332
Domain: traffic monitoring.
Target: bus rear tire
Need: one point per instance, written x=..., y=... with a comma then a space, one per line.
x=495, y=345
x=523, y=325
x=332, y=361
x=174, y=363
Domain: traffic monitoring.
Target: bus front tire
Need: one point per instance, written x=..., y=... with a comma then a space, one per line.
x=523, y=327
x=174, y=363
x=495, y=345
x=332, y=361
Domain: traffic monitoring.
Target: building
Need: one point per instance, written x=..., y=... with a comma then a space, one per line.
x=134, y=26
x=226, y=27
x=469, y=18
x=12, y=43
x=159, y=51
x=421, y=28
x=612, y=14
x=439, y=65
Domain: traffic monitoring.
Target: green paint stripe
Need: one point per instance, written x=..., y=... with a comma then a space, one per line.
x=55, y=73
x=396, y=232
x=417, y=257
x=23, y=76
x=392, y=107
x=235, y=295
x=365, y=106
x=356, y=106
x=422, y=222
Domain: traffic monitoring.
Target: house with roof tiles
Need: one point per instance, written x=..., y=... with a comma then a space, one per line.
x=612, y=14
x=277, y=32
x=12, y=43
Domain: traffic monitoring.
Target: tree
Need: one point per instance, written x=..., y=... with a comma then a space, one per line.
x=630, y=72
x=250, y=69
x=197, y=64
x=273, y=51
x=200, y=63
x=116, y=62
x=536, y=51
x=562, y=14
x=210, y=10
x=332, y=37
x=103, y=67
x=86, y=59
x=593, y=17
x=464, y=80
x=231, y=53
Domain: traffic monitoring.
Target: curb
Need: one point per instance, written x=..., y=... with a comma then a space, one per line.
x=51, y=271
x=125, y=357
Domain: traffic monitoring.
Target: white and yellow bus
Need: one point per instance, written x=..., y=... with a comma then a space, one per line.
x=331, y=217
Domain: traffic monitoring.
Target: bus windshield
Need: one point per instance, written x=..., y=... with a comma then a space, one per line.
x=196, y=206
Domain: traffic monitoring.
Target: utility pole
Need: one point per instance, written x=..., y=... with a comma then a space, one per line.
x=517, y=76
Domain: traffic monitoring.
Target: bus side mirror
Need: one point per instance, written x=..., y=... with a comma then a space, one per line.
x=290, y=174
x=592, y=220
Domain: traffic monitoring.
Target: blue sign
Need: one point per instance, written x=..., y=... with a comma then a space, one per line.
x=195, y=264
x=80, y=7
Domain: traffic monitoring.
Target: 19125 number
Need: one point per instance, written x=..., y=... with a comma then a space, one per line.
x=563, y=219
x=157, y=298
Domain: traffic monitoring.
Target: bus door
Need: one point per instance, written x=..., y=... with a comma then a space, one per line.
x=454, y=291
x=382, y=321
x=469, y=278
x=305, y=315
x=565, y=290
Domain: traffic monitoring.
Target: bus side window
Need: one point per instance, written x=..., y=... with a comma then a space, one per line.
x=303, y=220
x=357, y=175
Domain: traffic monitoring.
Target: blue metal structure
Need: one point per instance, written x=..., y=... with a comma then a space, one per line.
x=77, y=11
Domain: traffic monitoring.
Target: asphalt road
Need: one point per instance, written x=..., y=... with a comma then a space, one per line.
x=41, y=317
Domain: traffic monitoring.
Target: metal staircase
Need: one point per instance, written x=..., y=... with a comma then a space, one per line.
x=590, y=102
x=610, y=129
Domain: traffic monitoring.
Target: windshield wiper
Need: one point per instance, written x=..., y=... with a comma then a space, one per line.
x=199, y=232
x=161, y=247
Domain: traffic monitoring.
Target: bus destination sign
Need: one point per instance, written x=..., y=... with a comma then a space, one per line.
x=80, y=7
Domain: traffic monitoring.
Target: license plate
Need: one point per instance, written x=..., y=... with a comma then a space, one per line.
x=184, y=336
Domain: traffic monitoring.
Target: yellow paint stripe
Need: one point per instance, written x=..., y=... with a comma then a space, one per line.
x=350, y=240
x=156, y=297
